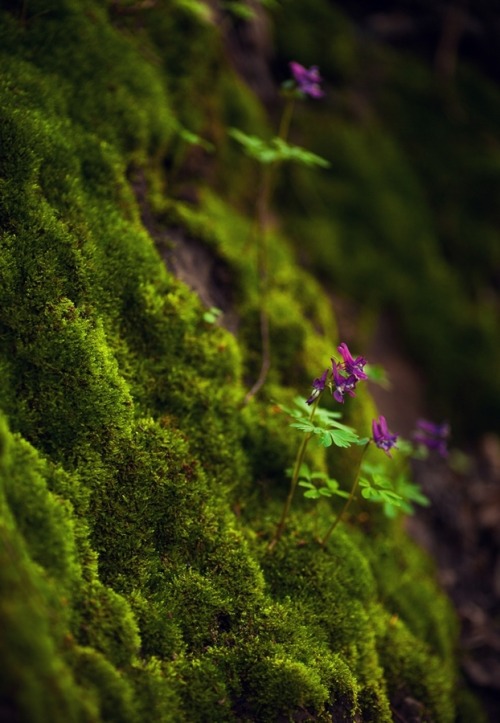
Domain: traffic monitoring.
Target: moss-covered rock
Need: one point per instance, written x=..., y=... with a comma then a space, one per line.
x=138, y=495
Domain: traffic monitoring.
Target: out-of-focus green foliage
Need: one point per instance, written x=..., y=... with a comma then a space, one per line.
x=407, y=219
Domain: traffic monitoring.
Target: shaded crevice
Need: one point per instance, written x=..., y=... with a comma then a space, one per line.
x=188, y=258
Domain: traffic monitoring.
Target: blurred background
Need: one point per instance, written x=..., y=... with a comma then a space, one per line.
x=404, y=228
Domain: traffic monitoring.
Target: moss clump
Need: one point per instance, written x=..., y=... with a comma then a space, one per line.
x=137, y=497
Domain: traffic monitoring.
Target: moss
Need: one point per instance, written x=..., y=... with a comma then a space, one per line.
x=468, y=707
x=411, y=667
x=111, y=694
x=106, y=624
x=137, y=496
x=32, y=608
x=407, y=585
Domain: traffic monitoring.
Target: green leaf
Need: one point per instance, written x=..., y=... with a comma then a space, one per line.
x=304, y=483
x=312, y=494
x=304, y=471
x=320, y=475
x=303, y=426
x=327, y=418
x=382, y=481
x=293, y=413
x=287, y=152
x=378, y=375
x=301, y=402
x=390, y=510
x=325, y=437
x=212, y=315
x=342, y=438
x=195, y=140
x=253, y=146
x=275, y=150
x=325, y=492
x=372, y=467
x=388, y=496
x=332, y=484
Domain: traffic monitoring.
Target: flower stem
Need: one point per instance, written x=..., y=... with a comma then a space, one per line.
x=262, y=209
x=347, y=503
x=295, y=480
x=286, y=119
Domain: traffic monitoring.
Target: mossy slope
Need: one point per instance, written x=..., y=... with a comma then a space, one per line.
x=136, y=497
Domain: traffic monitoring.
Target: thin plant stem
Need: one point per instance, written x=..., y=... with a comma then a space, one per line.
x=262, y=205
x=286, y=119
x=348, y=501
x=261, y=211
x=295, y=480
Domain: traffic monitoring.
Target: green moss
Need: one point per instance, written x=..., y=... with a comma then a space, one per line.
x=137, y=495
x=110, y=693
x=410, y=666
x=32, y=608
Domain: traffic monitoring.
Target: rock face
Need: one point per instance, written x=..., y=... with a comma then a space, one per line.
x=137, y=493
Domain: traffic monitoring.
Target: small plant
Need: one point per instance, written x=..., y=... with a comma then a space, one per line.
x=270, y=155
x=318, y=484
x=212, y=315
x=372, y=480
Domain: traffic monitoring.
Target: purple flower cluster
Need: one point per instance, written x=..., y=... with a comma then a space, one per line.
x=381, y=435
x=308, y=81
x=433, y=436
x=345, y=376
x=343, y=379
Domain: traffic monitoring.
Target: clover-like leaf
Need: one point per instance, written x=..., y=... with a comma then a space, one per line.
x=342, y=438
x=288, y=152
x=325, y=492
x=305, y=426
x=305, y=483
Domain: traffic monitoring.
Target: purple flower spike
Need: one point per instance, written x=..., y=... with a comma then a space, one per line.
x=307, y=80
x=433, y=436
x=343, y=385
x=318, y=386
x=352, y=366
x=381, y=435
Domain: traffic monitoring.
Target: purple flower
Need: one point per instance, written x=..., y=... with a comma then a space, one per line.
x=343, y=385
x=433, y=436
x=307, y=80
x=352, y=366
x=381, y=435
x=318, y=386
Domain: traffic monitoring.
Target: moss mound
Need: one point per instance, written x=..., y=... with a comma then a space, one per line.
x=137, y=497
